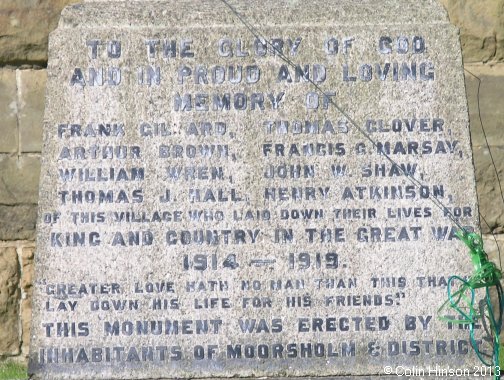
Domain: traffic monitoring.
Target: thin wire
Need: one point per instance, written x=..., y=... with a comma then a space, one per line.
x=496, y=326
x=490, y=229
x=493, y=164
x=486, y=139
x=408, y=175
x=495, y=238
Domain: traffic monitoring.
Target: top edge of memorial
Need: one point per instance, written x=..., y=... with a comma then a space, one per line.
x=205, y=13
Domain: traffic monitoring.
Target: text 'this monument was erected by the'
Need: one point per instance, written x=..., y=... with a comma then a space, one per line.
x=206, y=210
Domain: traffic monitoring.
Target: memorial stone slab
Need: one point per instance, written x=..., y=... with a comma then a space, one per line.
x=206, y=209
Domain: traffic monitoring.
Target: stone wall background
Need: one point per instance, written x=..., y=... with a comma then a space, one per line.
x=24, y=29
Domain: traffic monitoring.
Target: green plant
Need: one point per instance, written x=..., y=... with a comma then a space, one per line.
x=10, y=370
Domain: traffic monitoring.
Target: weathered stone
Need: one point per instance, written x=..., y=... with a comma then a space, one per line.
x=9, y=299
x=8, y=110
x=250, y=222
x=492, y=116
x=19, y=178
x=490, y=244
x=24, y=28
x=27, y=254
x=482, y=28
x=490, y=199
x=26, y=24
x=491, y=103
x=17, y=222
x=31, y=95
x=26, y=291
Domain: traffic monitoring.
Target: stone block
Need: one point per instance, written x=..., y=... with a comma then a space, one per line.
x=17, y=222
x=481, y=24
x=8, y=110
x=26, y=295
x=31, y=95
x=27, y=270
x=490, y=243
x=19, y=178
x=25, y=26
x=491, y=104
x=490, y=200
x=271, y=272
x=9, y=298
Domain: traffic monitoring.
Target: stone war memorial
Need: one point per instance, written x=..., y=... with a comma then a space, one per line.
x=250, y=189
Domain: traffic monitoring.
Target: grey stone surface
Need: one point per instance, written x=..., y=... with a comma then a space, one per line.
x=283, y=12
x=281, y=269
